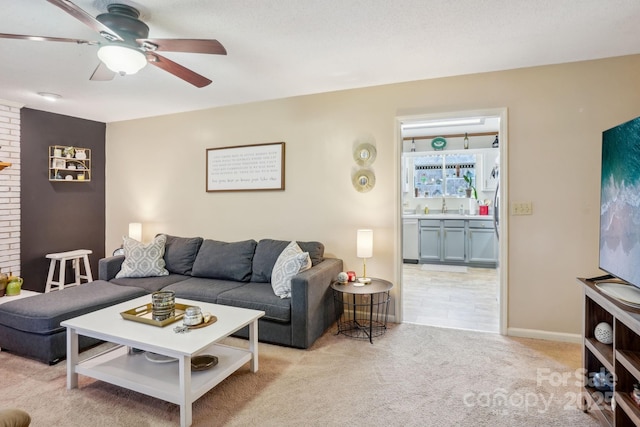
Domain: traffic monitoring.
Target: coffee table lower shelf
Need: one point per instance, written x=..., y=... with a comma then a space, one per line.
x=133, y=371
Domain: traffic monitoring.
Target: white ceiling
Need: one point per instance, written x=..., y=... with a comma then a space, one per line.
x=283, y=48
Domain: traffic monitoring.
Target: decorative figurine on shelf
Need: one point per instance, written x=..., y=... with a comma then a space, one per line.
x=603, y=380
x=343, y=278
x=603, y=333
x=495, y=143
x=635, y=394
x=81, y=154
x=68, y=152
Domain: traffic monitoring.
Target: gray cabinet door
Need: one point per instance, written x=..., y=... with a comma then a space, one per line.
x=410, y=239
x=454, y=241
x=430, y=244
x=482, y=246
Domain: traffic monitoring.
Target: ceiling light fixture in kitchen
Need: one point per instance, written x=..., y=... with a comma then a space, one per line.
x=442, y=123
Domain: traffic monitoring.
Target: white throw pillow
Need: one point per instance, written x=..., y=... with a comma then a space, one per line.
x=142, y=260
x=290, y=262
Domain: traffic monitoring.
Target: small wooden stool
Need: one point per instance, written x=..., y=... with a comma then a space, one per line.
x=63, y=257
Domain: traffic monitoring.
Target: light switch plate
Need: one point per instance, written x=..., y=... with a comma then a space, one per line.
x=521, y=208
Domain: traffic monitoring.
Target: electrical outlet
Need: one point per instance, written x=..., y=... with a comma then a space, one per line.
x=521, y=208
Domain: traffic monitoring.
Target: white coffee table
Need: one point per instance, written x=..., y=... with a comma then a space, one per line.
x=173, y=382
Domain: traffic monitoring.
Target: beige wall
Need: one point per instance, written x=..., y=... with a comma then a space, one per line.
x=156, y=172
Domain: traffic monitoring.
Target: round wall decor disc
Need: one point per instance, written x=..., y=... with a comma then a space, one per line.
x=363, y=180
x=364, y=154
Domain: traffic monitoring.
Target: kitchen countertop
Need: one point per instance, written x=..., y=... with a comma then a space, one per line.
x=447, y=216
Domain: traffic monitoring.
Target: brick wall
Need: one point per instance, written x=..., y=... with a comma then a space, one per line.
x=10, y=188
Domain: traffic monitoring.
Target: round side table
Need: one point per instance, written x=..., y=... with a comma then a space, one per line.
x=362, y=310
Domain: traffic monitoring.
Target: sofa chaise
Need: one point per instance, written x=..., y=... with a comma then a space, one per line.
x=236, y=274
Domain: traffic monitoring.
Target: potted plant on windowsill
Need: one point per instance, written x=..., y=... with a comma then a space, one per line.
x=468, y=177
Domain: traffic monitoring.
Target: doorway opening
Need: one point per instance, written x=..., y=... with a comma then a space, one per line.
x=452, y=203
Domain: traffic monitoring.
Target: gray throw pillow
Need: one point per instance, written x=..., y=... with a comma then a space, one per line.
x=268, y=251
x=180, y=253
x=290, y=262
x=143, y=260
x=226, y=261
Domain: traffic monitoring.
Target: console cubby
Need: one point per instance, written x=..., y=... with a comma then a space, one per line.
x=621, y=358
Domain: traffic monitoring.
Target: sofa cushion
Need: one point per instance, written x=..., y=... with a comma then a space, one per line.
x=143, y=260
x=258, y=296
x=180, y=253
x=42, y=314
x=226, y=261
x=150, y=284
x=202, y=289
x=290, y=262
x=268, y=251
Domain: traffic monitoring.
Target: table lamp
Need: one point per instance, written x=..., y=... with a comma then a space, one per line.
x=135, y=231
x=364, y=251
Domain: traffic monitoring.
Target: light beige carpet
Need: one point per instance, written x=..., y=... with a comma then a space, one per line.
x=412, y=376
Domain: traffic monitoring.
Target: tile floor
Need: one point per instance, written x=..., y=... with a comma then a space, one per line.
x=461, y=298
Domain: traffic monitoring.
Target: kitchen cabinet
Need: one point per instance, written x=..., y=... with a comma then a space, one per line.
x=483, y=246
x=453, y=248
x=469, y=242
x=430, y=240
x=407, y=175
x=410, y=240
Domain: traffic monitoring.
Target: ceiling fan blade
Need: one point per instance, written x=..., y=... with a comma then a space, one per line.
x=177, y=70
x=86, y=19
x=184, y=45
x=102, y=73
x=46, y=39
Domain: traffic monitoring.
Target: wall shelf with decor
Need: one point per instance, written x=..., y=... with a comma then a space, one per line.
x=69, y=164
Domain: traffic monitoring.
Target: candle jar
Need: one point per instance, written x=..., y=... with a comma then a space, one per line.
x=192, y=316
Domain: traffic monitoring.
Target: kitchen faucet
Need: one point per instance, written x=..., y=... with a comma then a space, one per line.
x=444, y=205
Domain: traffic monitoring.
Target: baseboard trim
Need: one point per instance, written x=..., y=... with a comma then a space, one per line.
x=544, y=335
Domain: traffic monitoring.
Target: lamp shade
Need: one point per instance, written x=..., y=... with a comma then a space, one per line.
x=365, y=244
x=122, y=59
x=135, y=231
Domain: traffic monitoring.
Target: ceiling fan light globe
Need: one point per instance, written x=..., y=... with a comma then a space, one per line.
x=122, y=59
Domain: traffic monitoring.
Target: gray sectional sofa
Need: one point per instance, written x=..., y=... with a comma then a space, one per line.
x=235, y=274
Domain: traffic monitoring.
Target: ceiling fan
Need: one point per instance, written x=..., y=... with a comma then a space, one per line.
x=127, y=48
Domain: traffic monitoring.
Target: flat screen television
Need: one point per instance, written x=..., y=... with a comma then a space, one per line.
x=620, y=202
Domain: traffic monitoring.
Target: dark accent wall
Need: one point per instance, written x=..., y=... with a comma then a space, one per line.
x=59, y=216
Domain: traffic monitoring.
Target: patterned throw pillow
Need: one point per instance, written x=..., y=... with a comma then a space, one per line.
x=290, y=262
x=142, y=260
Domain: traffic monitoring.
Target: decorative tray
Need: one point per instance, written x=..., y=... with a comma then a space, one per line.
x=203, y=324
x=143, y=314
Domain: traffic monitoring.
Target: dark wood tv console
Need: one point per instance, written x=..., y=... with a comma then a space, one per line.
x=621, y=358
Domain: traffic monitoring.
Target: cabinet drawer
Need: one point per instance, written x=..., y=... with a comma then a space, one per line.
x=429, y=223
x=454, y=223
x=477, y=223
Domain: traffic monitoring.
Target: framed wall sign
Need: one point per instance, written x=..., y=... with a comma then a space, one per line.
x=258, y=167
